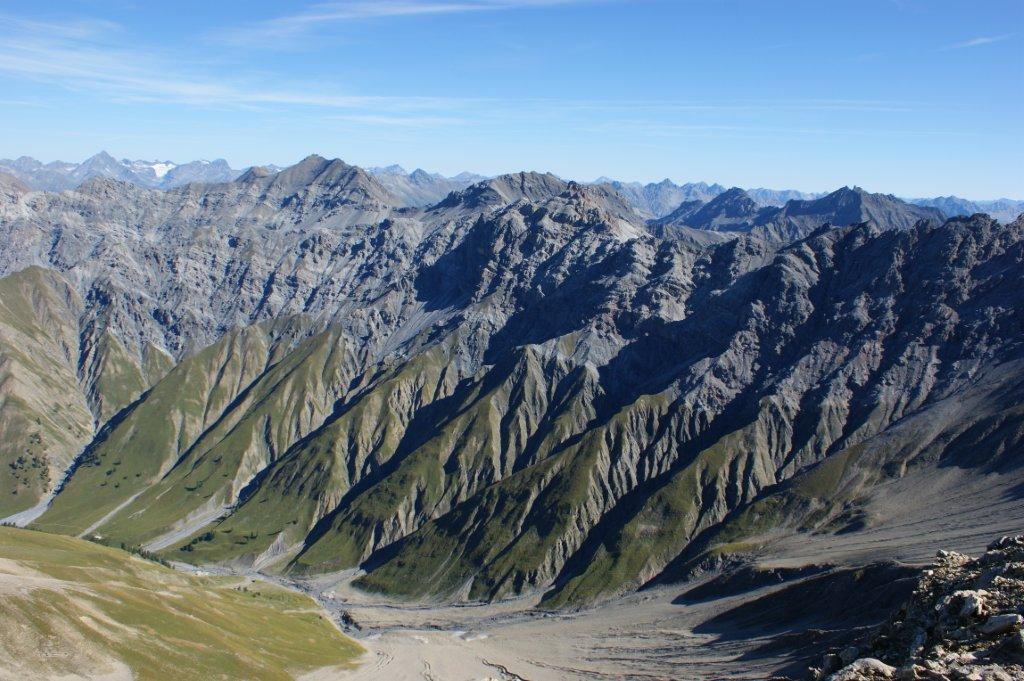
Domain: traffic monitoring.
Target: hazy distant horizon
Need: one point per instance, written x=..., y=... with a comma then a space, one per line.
x=414, y=167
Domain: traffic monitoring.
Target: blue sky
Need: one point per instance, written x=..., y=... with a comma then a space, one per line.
x=913, y=97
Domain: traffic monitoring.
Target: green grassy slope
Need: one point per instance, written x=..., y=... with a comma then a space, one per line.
x=135, y=452
x=56, y=382
x=68, y=606
x=118, y=378
x=309, y=480
x=500, y=423
x=516, y=529
x=282, y=404
x=44, y=416
x=635, y=541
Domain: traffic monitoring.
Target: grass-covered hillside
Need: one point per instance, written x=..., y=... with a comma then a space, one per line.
x=71, y=608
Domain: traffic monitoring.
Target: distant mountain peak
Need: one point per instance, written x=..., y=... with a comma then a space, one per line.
x=310, y=162
x=101, y=156
x=254, y=173
x=653, y=201
x=732, y=194
x=1004, y=210
x=152, y=174
x=420, y=187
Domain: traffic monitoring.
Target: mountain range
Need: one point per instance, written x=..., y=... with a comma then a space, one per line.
x=420, y=188
x=1001, y=209
x=527, y=386
x=653, y=201
x=734, y=210
x=59, y=175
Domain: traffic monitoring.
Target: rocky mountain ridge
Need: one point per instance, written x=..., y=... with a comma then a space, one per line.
x=59, y=175
x=735, y=211
x=421, y=188
x=653, y=201
x=1004, y=210
x=519, y=388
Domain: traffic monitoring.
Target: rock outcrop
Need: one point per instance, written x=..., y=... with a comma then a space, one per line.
x=964, y=621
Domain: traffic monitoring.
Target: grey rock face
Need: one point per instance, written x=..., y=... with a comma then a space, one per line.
x=11, y=187
x=735, y=211
x=730, y=211
x=842, y=207
x=180, y=268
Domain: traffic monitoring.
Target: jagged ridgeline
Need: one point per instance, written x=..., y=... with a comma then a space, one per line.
x=524, y=387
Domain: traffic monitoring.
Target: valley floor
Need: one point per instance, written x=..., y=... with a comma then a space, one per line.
x=650, y=635
x=643, y=636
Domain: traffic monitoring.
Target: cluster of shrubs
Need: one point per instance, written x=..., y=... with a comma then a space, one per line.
x=206, y=536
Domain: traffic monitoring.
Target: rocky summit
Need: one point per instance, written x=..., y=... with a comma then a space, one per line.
x=521, y=388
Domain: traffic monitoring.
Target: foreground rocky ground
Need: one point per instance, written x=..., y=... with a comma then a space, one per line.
x=963, y=623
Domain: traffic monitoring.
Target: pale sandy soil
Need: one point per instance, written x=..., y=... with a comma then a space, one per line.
x=646, y=635
x=641, y=636
x=17, y=578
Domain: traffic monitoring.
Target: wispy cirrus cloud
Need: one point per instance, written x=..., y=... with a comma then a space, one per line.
x=979, y=41
x=656, y=129
x=98, y=60
x=91, y=57
x=285, y=30
x=72, y=29
x=398, y=121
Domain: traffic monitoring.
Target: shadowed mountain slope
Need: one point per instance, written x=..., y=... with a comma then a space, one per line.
x=735, y=211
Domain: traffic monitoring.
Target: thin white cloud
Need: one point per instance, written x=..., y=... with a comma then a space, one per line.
x=62, y=57
x=95, y=59
x=407, y=121
x=662, y=129
x=976, y=42
x=73, y=29
x=74, y=58
x=286, y=29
